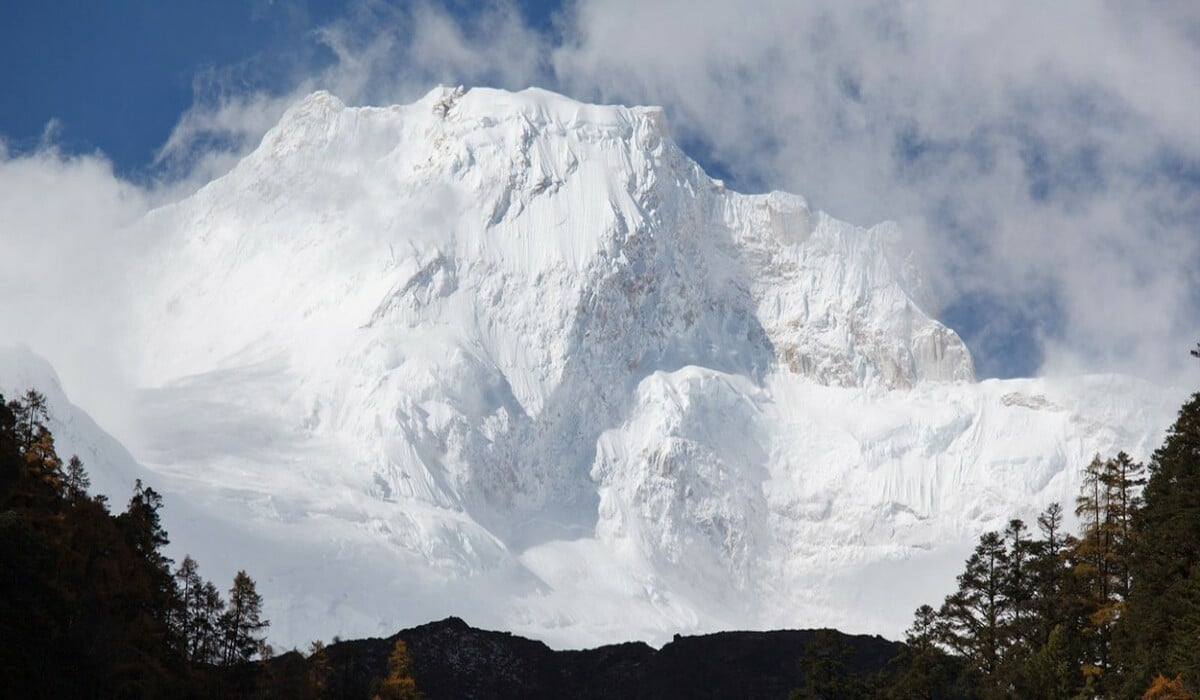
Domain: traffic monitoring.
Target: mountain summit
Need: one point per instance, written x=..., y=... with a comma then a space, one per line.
x=519, y=359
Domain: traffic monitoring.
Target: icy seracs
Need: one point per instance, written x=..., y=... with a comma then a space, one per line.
x=518, y=358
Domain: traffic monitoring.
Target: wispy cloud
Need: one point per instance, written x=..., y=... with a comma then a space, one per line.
x=381, y=54
x=67, y=265
x=1043, y=157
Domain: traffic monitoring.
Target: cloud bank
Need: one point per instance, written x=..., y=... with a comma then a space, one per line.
x=67, y=266
x=1044, y=159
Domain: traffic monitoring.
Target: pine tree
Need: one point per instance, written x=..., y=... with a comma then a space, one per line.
x=191, y=595
x=209, y=645
x=1096, y=566
x=922, y=669
x=143, y=525
x=826, y=669
x=1093, y=551
x=1053, y=671
x=1049, y=573
x=972, y=618
x=76, y=480
x=242, y=623
x=32, y=414
x=10, y=451
x=1057, y=647
x=1019, y=590
x=1123, y=479
x=1158, y=631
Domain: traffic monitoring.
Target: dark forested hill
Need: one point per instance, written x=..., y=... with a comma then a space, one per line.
x=451, y=659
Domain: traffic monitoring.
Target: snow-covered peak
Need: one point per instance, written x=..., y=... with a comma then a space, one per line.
x=469, y=288
x=340, y=201
x=513, y=342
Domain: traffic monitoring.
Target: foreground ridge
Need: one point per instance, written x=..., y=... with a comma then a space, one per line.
x=451, y=659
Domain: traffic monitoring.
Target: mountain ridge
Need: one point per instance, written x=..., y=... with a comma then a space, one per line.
x=519, y=357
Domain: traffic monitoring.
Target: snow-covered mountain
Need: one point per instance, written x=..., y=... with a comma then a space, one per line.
x=112, y=469
x=517, y=358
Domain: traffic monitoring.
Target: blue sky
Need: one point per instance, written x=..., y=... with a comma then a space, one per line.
x=1043, y=159
x=116, y=76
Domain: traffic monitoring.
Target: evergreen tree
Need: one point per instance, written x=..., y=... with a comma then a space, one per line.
x=191, y=595
x=1162, y=617
x=1022, y=629
x=1055, y=646
x=922, y=669
x=1093, y=552
x=1123, y=479
x=10, y=451
x=827, y=674
x=143, y=526
x=88, y=602
x=973, y=617
x=208, y=626
x=1053, y=671
x=76, y=480
x=32, y=414
x=242, y=623
x=1050, y=572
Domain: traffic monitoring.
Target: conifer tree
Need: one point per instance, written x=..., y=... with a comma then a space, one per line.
x=76, y=480
x=143, y=525
x=1095, y=558
x=1019, y=591
x=44, y=467
x=242, y=623
x=923, y=670
x=32, y=414
x=1123, y=479
x=208, y=626
x=399, y=683
x=1162, y=615
x=972, y=618
x=10, y=451
x=191, y=596
x=319, y=669
x=1049, y=573
x=1092, y=554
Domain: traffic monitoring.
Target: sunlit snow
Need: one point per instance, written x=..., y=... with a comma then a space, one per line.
x=518, y=359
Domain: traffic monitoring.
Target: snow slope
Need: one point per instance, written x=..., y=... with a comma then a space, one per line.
x=517, y=358
x=110, y=467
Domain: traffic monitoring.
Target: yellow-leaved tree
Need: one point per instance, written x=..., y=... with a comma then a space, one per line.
x=399, y=683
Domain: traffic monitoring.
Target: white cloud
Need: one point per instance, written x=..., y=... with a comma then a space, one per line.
x=382, y=54
x=1020, y=144
x=67, y=264
x=1027, y=148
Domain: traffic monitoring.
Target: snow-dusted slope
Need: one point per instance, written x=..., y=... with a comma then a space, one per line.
x=111, y=468
x=519, y=358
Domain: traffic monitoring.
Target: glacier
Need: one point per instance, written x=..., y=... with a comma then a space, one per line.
x=519, y=359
